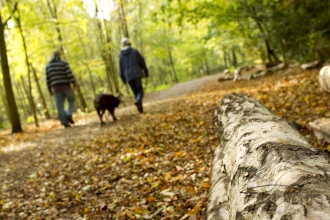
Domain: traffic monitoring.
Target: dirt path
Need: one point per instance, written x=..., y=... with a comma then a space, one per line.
x=45, y=173
x=154, y=165
x=181, y=89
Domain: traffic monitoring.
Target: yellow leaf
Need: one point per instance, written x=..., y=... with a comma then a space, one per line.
x=156, y=184
x=77, y=196
x=138, y=210
x=130, y=214
x=167, y=176
x=151, y=199
x=178, y=154
x=179, y=177
x=206, y=185
x=86, y=210
x=190, y=189
x=170, y=209
x=51, y=195
x=194, y=210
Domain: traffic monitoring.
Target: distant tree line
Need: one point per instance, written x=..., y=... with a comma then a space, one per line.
x=180, y=40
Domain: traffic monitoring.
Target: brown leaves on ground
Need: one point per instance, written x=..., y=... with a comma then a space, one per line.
x=149, y=166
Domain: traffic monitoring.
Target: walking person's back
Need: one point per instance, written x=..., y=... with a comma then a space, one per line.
x=59, y=78
x=132, y=69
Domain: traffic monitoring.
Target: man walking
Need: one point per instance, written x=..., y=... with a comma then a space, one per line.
x=59, y=77
x=132, y=69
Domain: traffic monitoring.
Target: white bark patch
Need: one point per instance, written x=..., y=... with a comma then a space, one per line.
x=272, y=171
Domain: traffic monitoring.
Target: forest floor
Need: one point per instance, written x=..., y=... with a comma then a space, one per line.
x=144, y=166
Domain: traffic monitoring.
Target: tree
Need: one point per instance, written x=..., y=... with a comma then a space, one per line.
x=274, y=173
x=28, y=65
x=13, y=116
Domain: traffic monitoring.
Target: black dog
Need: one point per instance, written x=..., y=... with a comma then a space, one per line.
x=104, y=102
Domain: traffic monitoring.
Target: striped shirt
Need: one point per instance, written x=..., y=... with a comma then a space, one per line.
x=58, y=73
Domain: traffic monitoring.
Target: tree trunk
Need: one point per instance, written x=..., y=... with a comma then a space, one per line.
x=103, y=49
x=114, y=75
x=22, y=99
x=272, y=171
x=270, y=53
x=285, y=61
x=27, y=63
x=41, y=95
x=123, y=18
x=207, y=68
x=4, y=100
x=81, y=98
x=53, y=13
x=14, y=116
x=225, y=58
x=234, y=57
x=25, y=95
x=175, y=78
x=92, y=84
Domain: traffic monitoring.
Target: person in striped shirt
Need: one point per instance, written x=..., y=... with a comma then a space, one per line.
x=59, y=78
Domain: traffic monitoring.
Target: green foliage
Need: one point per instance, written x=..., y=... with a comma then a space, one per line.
x=179, y=39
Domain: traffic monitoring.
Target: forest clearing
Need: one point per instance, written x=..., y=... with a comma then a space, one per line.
x=151, y=166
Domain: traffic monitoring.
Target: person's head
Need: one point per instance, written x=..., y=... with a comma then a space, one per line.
x=56, y=55
x=125, y=42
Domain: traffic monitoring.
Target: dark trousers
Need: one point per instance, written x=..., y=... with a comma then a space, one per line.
x=136, y=86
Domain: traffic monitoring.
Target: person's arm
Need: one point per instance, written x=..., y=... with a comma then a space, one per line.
x=69, y=74
x=121, y=72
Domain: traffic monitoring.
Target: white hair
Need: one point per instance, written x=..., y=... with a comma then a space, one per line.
x=125, y=42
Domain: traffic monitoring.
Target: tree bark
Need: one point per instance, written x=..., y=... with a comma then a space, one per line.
x=41, y=95
x=14, y=115
x=28, y=69
x=175, y=78
x=103, y=49
x=272, y=171
x=234, y=58
x=81, y=98
x=22, y=104
x=123, y=18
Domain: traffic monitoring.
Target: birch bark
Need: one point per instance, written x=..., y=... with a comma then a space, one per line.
x=272, y=171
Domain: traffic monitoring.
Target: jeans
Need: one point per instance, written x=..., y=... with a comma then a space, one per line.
x=60, y=97
x=136, y=86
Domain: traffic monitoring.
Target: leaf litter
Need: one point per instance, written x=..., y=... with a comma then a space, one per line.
x=150, y=166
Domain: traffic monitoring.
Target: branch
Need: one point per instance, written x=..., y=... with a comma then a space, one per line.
x=12, y=12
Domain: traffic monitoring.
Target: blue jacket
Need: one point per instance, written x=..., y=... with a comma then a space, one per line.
x=132, y=65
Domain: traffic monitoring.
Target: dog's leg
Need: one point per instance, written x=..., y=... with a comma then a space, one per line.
x=100, y=112
x=112, y=112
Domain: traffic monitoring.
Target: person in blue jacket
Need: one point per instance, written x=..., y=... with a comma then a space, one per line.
x=132, y=69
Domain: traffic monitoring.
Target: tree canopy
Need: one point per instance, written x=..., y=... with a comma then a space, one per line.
x=180, y=40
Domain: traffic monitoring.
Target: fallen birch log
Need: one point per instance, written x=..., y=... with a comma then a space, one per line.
x=272, y=171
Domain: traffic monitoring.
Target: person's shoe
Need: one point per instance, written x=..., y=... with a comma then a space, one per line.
x=139, y=107
x=66, y=126
x=69, y=118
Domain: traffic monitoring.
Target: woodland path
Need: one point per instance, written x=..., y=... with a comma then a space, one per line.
x=51, y=154
x=122, y=169
x=181, y=88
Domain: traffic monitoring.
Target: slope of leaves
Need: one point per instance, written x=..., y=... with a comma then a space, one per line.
x=150, y=166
